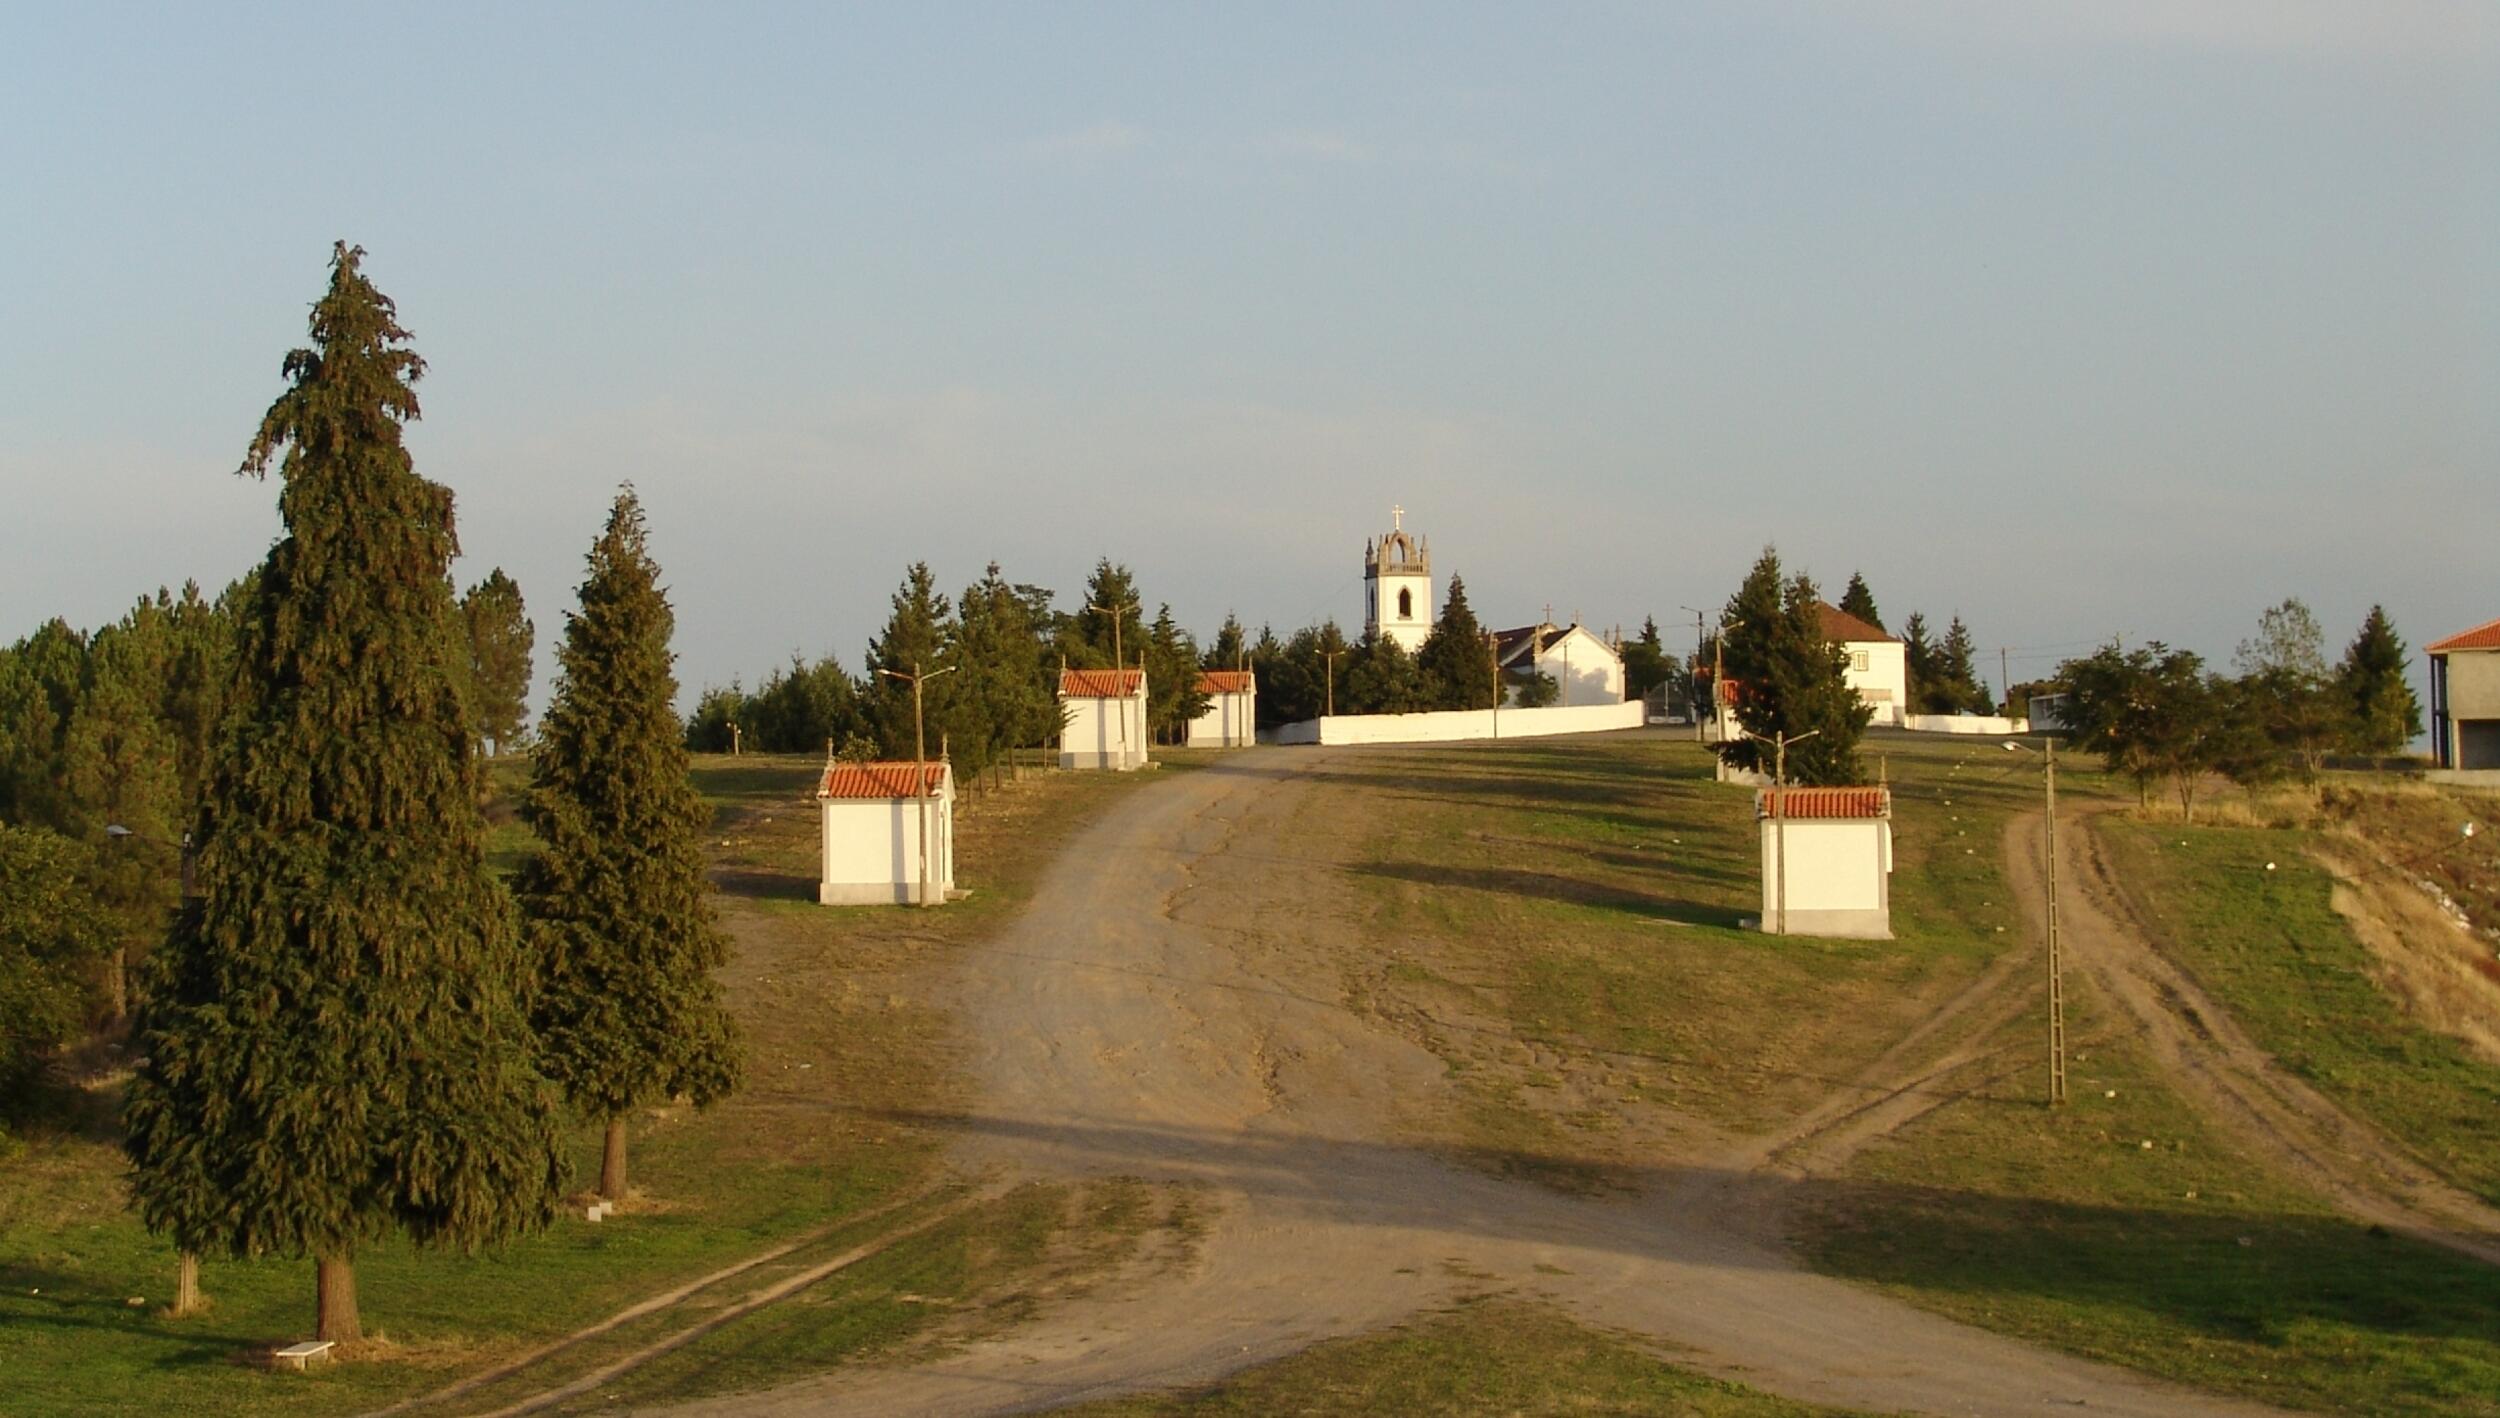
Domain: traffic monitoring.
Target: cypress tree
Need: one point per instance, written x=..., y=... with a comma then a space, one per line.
x=1458, y=673
x=1747, y=628
x=334, y=1045
x=1231, y=650
x=1918, y=655
x=1860, y=602
x=914, y=642
x=1111, y=622
x=2382, y=711
x=1000, y=702
x=626, y=1010
x=1172, y=694
x=1957, y=684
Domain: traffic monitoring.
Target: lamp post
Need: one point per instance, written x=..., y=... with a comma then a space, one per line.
x=920, y=764
x=1779, y=812
x=1119, y=617
x=2048, y=869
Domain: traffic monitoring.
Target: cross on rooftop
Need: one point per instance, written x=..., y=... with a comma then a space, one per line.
x=1397, y=518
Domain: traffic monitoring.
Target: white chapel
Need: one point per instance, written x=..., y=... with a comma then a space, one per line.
x=1397, y=585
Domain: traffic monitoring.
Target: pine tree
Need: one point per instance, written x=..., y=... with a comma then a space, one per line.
x=1860, y=602
x=125, y=790
x=1381, y=678
x=913, y=642
x=1267, y=661
x=1173, y=697
x=1919, y=663
x=1002, y=698
x=1747, y=628
x=500, y=638
x=1457, y=669
x=1645, y=662
x=1110, y=630
x=333, y=1041
x=49, y=938
x=1957, y=685
x=614, y=904
x=2383, y=713
x=1231, y=647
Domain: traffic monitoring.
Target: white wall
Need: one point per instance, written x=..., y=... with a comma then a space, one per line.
x=1095, y=736
x=1885, y=682
x=1839, y=877
x=1231, y=721
x=1583, y=669
x=1452, y=725
x=872, y=849
x=1965, y=724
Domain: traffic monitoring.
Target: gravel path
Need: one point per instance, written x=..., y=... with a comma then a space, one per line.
x=1160, y=1012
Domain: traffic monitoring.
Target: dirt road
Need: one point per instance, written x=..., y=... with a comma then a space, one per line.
x=1165, y=1010
x=2211, y=1059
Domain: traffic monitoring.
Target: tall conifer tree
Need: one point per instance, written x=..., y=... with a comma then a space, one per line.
x=627, y=1011
x=915, y=641
x=2384, y=714
x=1858, y=601
x=500, y=639
x=1458, y=672
x=333, y=1041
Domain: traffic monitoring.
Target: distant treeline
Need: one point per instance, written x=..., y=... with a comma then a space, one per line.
x=990, y=662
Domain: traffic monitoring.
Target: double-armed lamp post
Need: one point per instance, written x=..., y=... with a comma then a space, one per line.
x=920, y=763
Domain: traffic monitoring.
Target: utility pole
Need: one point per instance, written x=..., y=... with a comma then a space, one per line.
x=1118, y=616
x=1331, y=657
x=1493, y=667
x=1779, y=815
x=2048, y=870
x=2005, y=680
x=1692, y=700
x=920, y=763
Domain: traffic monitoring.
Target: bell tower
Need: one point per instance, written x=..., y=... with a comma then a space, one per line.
x=1397, y=585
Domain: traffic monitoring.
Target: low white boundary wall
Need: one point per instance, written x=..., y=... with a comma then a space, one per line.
x=1450, y=725
x=1964, y=724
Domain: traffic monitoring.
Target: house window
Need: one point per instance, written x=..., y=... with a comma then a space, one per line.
x=1857, y=661
x=1406, y=605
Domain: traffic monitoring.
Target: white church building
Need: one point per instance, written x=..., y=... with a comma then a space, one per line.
x=1584, y=668
x=1397, y=603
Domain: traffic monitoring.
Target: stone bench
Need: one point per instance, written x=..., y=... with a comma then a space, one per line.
x=297, y=1356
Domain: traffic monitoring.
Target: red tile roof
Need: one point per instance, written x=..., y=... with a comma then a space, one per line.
x=1839, y=625
x=1829, y=803
x=1226, y=681
x=877, y=780
x=1099, y=684
x=2482, y=637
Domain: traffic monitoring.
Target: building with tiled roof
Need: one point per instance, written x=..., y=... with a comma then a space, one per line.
x=1879, y=663
x=1584, y=668
x=2465, y=699
x=1102, y=717
x=1826, y=861
x=873, y=821
x=1231, y=717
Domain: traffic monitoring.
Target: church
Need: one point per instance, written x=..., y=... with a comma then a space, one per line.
x=1397, y=605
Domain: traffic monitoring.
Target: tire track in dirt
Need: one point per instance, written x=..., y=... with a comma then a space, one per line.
x=2202, y=1049
x=1241, y=1075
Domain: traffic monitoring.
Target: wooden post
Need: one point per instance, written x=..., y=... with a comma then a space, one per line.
x=2057, y=983
x=1330, y=659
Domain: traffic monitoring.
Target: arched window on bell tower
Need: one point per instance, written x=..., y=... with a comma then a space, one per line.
x=1406, y=604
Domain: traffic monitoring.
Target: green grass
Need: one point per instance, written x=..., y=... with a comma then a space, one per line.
x=2185, y=1259
x=1489, y=1356
x=840, y=1045
x=2271, y=946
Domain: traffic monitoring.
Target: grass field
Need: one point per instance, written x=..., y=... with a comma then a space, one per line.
x=1562, y=927
x=2271, y=944
x=839, y=1042
x=1491, y=1356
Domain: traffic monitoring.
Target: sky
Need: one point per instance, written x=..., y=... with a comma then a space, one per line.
x=2120, y=319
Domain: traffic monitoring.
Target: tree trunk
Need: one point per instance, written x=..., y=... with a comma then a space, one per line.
x=187, y=1300
x=612, y=1161
x=336, y=1285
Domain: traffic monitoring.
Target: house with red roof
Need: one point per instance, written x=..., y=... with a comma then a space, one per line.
x=1826, y=861
x=1232, y=715
x=2465, y=699
x=1879, y=663
x=1102, y=716
x=880, y=822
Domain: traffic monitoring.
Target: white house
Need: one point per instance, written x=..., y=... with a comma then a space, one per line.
x=874, y=821
x=1232, y=714
x=1397, y=585
x=1826, y=861
x=1879, y=664
x=1103, y=718
x=1584, y=668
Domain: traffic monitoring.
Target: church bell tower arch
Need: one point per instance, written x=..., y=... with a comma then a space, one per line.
x=1397, y=585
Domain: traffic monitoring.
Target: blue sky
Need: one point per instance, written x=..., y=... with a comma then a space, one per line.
x=2124, y=318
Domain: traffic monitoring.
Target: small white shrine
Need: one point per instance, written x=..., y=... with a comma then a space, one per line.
x=1826, y=861
x=1102, y=714
x=1232, y=713
x=875, y=820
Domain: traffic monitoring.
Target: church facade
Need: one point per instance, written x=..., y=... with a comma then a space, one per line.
x=1397, y=604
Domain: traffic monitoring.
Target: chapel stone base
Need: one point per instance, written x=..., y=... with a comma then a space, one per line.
x=1842, y=925
x=871, y=893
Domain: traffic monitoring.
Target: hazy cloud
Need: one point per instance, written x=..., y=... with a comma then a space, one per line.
x=1100, y=140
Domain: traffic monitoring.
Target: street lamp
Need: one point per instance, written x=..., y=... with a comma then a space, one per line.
x=2048, y=869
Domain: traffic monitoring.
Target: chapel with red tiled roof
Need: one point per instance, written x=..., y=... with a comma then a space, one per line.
x=877, y=824
x=2465, y=700
x=1231, y=717
x=1102, y=718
